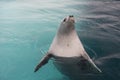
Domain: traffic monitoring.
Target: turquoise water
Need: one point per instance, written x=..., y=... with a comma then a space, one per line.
x=27, y=28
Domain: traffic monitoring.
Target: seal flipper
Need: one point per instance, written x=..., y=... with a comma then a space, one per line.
x=88, y=65
x=95, y=68
x=43, y=61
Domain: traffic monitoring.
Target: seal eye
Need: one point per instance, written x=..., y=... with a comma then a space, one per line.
x=64, y=20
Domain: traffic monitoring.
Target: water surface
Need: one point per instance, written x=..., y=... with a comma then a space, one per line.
x=27, y=28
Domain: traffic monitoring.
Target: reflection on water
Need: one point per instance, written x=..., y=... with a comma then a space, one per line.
x=27, y=27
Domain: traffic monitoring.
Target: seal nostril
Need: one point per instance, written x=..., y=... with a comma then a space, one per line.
x=71, y=16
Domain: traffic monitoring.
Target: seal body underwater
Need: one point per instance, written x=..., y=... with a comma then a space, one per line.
x=69, y=55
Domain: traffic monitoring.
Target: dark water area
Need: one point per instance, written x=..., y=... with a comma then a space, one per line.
x=27, y=28
x=101, y=32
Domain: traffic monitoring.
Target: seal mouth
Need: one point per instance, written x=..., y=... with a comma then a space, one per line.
x=70, y=18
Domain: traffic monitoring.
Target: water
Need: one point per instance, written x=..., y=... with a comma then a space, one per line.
x=27, y=28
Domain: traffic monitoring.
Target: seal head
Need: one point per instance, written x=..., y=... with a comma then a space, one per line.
x=67, y=25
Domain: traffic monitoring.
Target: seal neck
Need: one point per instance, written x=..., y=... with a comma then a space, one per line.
x=65, y=30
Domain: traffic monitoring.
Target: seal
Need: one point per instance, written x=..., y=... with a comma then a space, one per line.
x=69, y=55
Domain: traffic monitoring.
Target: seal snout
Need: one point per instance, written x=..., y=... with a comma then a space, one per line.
x=70, y=18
